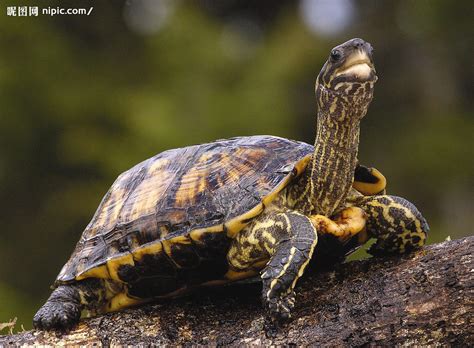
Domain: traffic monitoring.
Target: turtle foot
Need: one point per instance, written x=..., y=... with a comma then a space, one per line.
x=61, y=312
x=279, y=307
x=57, y=315
x=278, y=313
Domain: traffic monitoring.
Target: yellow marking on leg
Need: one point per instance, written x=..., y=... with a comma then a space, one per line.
x=252, y=239
x=269, y=242
x=264, y=226
x=234, y=256
x=303, y=266
x=238, y=256
x=282, y=272
x=82, y=297
x=385, y=209
x=396, y=224
x=268, y=223
x=241, y=259
x=255, y=238
x=417, y=222
x=287, y=220
x=285, y=267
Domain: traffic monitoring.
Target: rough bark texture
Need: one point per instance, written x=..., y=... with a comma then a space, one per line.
x=426, y=298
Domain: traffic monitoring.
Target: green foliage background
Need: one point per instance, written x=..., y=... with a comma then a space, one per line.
x=84, y=98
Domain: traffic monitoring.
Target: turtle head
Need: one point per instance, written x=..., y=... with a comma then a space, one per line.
x=347, y=77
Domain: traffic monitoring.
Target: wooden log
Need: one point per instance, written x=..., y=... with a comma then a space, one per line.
x=425, y=298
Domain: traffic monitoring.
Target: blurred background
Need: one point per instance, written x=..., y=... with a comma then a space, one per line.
x=84, y=98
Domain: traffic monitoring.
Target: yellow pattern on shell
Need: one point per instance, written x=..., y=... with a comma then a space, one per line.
x=114, y=264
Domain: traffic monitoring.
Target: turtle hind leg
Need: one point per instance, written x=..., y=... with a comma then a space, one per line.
x=396, y=224
x=61, y=311
x=63, y=308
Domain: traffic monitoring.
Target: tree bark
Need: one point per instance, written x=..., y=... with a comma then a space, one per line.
x=425, y=298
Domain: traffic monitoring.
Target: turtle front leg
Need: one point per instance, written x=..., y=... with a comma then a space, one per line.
x=397, y=224
x=281, y=242
x=63, y=308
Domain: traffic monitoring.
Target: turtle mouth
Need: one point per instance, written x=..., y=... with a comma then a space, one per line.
x=360, y=70
x=358, y=66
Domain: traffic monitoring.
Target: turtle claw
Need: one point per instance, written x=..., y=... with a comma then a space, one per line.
x=278, y=313
x=57, y=315
x=279, y=308
x=270, y=328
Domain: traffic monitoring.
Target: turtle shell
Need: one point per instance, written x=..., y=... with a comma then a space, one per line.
x=183, y=205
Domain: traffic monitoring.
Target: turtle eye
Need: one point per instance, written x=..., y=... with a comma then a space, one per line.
x=336, y=55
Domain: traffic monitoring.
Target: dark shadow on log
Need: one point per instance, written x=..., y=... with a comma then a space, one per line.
x=418, y=299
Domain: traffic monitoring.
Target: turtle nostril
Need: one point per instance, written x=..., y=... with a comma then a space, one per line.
x=358, y=43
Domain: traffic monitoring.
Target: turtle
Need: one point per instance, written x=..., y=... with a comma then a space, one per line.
x=240, y=208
